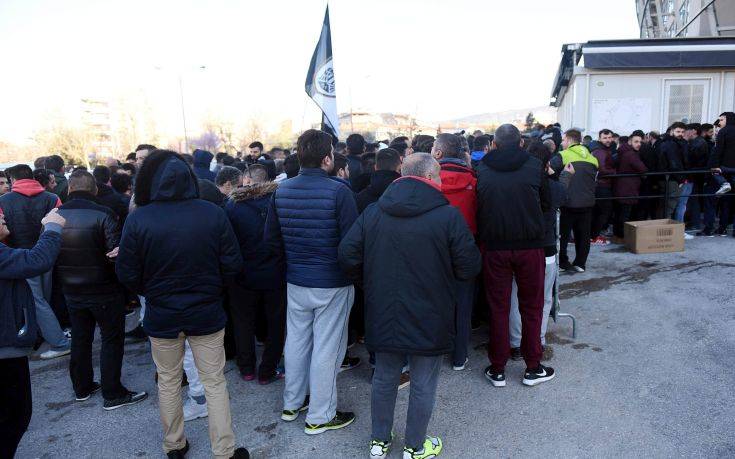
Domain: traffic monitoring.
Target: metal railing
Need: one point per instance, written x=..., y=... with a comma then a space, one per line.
x=666, y=178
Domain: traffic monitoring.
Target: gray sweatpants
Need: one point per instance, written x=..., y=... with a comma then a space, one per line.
x=424, y=378
x=550, y=274
x=316, y=342
x=47, y=322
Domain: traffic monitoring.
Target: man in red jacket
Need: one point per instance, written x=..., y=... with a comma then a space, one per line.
x=459, y=184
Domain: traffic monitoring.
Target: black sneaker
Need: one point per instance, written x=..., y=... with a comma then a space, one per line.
x=721, y=232
x=706, y=233
x=95, y=388
x=496, y=379
x=241, y=453
x=565, y=266
x=179, y=453
x=292, y=415
x=349, y=363
x=515, y=353
x=538, y=375
x=340, y=421
x=131, y=398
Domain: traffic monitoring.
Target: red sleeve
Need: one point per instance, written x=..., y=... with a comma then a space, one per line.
x=58, y=202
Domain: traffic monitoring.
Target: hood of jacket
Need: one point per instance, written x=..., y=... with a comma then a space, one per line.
x=381, y=180
x=174, y=181
x=477, y=155
x=28, y=187
x=456, y=176
x=506, y=160
x=251, y=192
x=202, y=158
x=411, y=196
x=581, y=152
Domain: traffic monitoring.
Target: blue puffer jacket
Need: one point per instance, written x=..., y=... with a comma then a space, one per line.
x=309, y=216
x=18, y=329
x=202, y=160
x=177, y=252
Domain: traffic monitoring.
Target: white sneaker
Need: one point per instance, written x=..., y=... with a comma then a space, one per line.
x=688, y=236
x=51, y=354
x=194, y=410
x=725, y=188
x=461, y=367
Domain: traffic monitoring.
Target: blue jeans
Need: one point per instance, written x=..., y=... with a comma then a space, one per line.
x=47, y=322
x=681, y=207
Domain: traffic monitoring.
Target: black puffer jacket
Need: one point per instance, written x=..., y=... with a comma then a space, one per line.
x=409, y=250
x=379, y=181
x=92, y=230
x=512, y=195
x=23, y=208
x=673, y=157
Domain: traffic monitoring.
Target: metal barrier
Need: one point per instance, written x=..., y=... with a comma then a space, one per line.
x=666, y=177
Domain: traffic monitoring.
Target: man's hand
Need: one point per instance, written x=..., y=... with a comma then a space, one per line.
x=113, y=253
x=54, y=217
x=4, y=232
x=570, y=168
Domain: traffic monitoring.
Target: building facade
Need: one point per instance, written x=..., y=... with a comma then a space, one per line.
x=685, y=18
x=625, y=85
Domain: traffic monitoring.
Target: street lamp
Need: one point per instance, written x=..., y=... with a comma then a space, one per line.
x=183, y=110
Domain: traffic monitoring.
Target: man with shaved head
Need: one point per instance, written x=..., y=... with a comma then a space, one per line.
x=409, y=250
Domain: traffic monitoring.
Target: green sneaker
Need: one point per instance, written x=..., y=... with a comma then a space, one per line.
x=339, y=421
x=292, y=415
x=380, y=449
x=432, y=448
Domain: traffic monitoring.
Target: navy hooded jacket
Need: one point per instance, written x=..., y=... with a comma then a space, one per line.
x=247, y=210
x=308, y=217
x=202, y=160
x=177, y=252
x=18, y=328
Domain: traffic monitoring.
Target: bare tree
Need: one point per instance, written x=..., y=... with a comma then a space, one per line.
x=72, y=144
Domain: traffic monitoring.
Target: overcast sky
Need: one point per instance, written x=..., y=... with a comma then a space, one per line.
x=438, y=59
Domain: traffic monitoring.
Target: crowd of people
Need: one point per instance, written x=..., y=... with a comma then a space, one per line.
x=405, y=246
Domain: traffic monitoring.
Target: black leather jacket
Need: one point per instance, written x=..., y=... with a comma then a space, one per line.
x=92, y=230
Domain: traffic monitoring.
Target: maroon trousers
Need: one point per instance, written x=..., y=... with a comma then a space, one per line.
x=528, y=267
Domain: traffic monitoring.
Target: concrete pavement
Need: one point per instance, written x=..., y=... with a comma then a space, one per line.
x=652, y=374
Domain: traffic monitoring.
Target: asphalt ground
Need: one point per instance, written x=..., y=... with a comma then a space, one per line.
x=651, y=374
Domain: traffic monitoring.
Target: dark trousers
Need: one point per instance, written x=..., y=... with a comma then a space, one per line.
x=603, y=209
x=111, y=319
x=624, y=213
x=424, y=379
x=579, y=221
x=245, y=305
x=463, y=320
x=16, y=404
x=528, y=267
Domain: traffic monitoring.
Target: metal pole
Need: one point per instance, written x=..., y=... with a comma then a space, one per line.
x=666, y=197
x=183, y=114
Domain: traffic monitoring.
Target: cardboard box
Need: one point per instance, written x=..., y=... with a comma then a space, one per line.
x=654, y=236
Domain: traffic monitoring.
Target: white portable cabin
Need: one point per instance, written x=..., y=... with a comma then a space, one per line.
x=625, y=85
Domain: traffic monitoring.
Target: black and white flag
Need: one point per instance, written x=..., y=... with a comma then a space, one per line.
x=320, y=80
